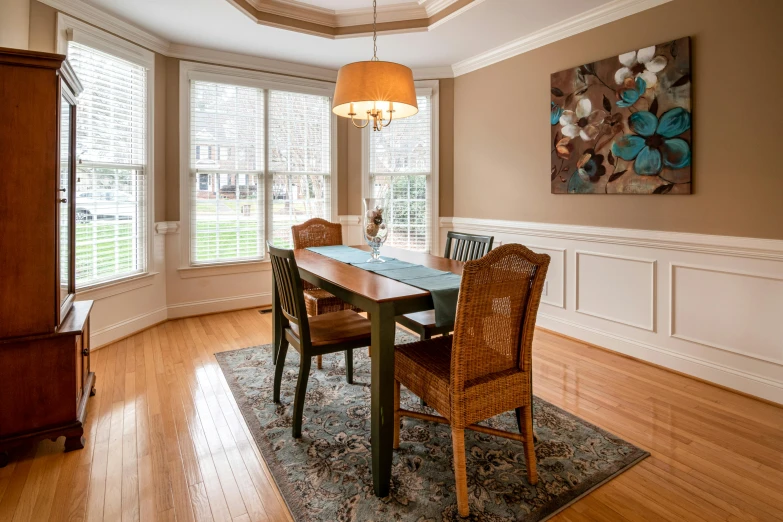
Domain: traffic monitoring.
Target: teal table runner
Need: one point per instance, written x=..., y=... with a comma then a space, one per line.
x=444, y=286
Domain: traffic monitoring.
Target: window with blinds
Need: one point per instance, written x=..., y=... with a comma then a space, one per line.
x=239, y=196
x=300, y=161
x=400, y=168
x=111, y=145
x=227, y=173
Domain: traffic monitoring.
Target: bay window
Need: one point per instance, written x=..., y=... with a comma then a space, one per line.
x=260, y=161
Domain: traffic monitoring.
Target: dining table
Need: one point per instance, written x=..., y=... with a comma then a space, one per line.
x=383, y=299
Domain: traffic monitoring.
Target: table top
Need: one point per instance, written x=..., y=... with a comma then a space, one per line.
x=369, y=284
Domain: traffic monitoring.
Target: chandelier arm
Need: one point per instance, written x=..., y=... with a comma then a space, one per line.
x=391, y=115
x=358, y=126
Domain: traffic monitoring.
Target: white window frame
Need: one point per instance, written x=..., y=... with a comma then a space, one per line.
x=70, y=29
x=429, y=88
x=220, y=74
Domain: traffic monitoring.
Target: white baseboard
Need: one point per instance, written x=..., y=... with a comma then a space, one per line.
x=223, y=304
x=111, y=333
x=114, y=332
x=749, y=383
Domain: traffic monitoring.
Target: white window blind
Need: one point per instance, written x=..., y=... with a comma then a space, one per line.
x=111, y=145
x=400, y=168
x=227, y=188
x=300, y=161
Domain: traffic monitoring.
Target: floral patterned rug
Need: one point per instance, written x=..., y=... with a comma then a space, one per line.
x=326, y=475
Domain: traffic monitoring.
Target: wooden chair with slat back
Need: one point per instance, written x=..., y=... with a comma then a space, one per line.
x=344, y=330
x=485, y=368
x=460, y=247
x=313, y=233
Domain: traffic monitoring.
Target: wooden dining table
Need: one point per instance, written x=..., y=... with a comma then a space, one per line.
x=383, y=299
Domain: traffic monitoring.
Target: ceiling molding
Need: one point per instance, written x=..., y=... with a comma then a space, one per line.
x=609, y=12
x=110, y=23
x=246, y=61
x=403, y=11
x=406, y=16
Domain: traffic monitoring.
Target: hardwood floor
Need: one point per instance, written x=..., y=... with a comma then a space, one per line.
x=165, y=440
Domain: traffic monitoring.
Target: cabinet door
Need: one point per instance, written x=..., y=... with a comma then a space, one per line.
x=79, y=368
x=66, y=220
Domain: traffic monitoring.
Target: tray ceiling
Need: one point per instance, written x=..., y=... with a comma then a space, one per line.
x=487, y=26
x=350, y=18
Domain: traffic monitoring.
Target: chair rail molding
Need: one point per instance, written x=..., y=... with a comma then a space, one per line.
x=698, y=304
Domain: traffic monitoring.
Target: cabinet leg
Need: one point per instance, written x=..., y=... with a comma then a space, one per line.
x=74, y=441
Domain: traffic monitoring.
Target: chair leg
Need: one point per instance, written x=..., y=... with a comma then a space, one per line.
x=530, y=448
x=460, y=471
x=279, y=366
x=301, y=391
x=348, y=366
x=319, y=362
x=397, y=419
x=424, y=336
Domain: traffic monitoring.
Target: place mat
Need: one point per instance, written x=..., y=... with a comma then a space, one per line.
x=443, y=286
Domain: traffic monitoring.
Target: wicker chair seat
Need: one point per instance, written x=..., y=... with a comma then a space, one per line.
x=425, y=368
x=319, y=301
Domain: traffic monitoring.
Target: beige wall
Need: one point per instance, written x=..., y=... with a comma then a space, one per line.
x=502, y=148
x=14, y=23
x=43, y=24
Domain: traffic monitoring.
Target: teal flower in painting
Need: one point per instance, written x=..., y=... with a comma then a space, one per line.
x=654, y=144
x=632, y=90
x=554, y=115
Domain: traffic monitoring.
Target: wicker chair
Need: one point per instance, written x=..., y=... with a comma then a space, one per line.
x=310, y=336
x=313, y=233
x=485, y=368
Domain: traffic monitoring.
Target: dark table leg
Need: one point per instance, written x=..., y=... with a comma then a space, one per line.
x=382, y=403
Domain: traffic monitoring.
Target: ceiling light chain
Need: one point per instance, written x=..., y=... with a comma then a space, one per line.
x=374, y=31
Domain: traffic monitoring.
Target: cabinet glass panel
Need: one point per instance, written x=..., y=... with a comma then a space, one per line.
x=64, y=197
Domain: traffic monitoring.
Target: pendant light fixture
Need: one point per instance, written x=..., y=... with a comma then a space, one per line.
x=374, y=90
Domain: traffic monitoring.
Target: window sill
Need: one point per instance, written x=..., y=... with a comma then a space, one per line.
x=118, y=286
x=224, y=269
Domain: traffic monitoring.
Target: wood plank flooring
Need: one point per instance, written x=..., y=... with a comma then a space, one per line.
x=165, y=440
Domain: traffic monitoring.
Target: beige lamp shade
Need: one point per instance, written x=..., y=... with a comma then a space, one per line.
x=374, y=85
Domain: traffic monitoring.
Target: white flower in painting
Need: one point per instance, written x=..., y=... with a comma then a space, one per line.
x=585, y=122
x=642, y=63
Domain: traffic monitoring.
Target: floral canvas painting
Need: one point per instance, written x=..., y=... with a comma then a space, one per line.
x=623, y=125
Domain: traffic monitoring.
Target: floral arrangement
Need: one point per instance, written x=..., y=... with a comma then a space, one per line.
x=623, y=124
x=374, y=222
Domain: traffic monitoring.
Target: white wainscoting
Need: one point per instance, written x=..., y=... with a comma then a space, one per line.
x=708, y=306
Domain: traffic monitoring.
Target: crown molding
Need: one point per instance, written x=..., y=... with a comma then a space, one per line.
x=411, y=10
x=246, y=61
x=110, y=23
x=604, y=14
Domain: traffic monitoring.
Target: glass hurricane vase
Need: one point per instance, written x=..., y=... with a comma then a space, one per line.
x=375, y=227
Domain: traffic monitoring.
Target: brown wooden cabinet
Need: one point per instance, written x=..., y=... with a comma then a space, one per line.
x=45, y=377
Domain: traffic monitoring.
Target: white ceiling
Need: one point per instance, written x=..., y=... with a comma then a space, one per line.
x=216, y=24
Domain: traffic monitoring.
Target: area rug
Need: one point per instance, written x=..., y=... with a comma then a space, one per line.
x=326, y=475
